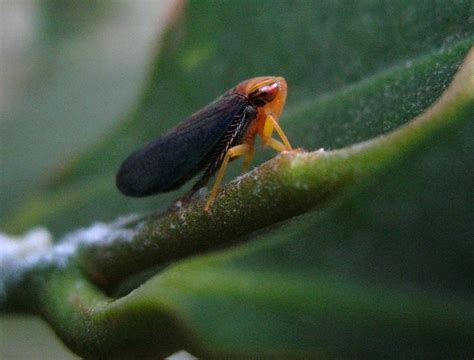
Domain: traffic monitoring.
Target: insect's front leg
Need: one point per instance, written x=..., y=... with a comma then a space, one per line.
x=235, y=151
x=268, y=127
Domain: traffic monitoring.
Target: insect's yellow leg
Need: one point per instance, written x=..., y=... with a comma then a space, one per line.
x=235, y=151
x=267, y=131
x=248, y=157
x=276, y=145
x=270, y=125
x=280, y=132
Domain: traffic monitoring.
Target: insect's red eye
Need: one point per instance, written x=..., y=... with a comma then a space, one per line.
x=264, y=94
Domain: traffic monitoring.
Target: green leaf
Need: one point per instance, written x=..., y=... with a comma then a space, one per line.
x=374, y=258
x=383, y=267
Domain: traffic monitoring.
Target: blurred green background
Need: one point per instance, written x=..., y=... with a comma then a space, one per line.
x=69, y=72
x=75, y=98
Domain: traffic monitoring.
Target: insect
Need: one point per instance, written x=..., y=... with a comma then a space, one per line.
x=206, y=141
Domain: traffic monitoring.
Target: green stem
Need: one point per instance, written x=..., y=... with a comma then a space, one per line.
x=94, y=325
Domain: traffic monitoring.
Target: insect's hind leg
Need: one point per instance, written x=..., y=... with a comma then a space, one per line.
x=248, y=157
x=235, y=151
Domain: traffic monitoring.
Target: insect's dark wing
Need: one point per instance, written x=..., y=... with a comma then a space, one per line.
x=167, y=162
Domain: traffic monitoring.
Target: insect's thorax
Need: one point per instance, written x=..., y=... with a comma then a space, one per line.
x=254, y=127
x=268, y=96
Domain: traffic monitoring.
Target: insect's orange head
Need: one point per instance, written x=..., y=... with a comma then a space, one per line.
x=266, y=92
